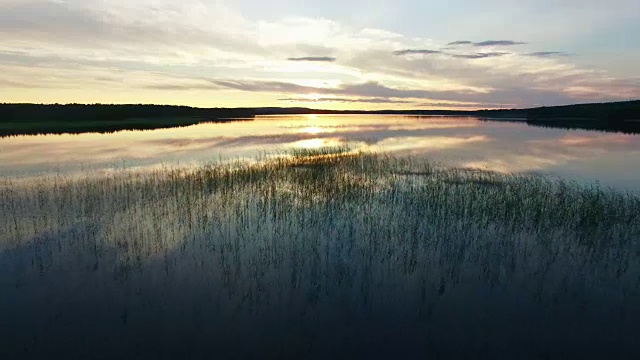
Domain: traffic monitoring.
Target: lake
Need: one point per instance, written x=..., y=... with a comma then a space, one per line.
x=612, y=159
x=321, y=256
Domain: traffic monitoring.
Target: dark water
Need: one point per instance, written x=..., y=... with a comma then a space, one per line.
x=323, y=283
x=373, y=278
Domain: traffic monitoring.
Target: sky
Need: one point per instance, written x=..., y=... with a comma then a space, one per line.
x=332, y=54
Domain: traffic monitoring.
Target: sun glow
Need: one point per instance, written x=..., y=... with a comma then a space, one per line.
x=317, y=143
x=313, y=130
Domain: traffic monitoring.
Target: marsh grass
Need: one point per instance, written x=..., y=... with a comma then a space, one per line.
x=324, y=234
x=154, y=211
x=158, y=209
x=304, y=152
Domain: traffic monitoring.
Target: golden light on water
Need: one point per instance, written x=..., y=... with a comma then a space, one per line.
x=317, y=143
x=313, y=130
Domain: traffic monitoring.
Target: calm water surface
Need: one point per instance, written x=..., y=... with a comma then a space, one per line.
x=111, y=270
x=609, y=158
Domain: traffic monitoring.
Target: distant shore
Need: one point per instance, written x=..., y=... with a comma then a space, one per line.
x=41, y=128
x=32, y=119
x=316, y=251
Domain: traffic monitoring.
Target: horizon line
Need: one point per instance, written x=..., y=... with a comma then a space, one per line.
x=319, y=109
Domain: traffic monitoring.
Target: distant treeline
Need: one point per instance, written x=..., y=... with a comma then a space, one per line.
x=99, y=112
x=21, y=119
x=29, y=119
x=609, y=112
x=18, y=119
x=617, y=116
x=616, y=111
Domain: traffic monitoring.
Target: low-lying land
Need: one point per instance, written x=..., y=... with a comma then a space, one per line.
x=613, y=117
x=315, y=254
x=33, y=119
x=105, y=126
x=28, y=119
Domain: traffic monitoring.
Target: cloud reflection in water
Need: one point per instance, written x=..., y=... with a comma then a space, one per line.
x=459, y=141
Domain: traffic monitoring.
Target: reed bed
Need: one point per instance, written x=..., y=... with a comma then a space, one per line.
x=322, y=237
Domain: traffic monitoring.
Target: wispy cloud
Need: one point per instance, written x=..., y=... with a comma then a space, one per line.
x=499, y=43
x=487, y=43
x=313, y=58
x=147, y=49
x=416, y=52
x=367, y=90
x=461, y=42
x=182, y=87
x=546, y=54
x=378, y=90
x=14, y=84
x=465, y=105
x=482, y=55
x=348, y=100
x=265, y=86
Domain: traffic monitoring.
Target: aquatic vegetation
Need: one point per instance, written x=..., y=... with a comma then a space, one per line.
x=320, y=249
x=301, y=152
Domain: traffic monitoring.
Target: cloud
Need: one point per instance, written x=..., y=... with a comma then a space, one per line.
x=479, y=55
x=124, y=48
x=265, y=86
x=143, y=31
x=182, y=87
x=507, y=96
x=499, y=43
x=462, y=42
x=516, y=81
x=464, y=105
x=367, y=90
x=313, y=58
x=376, y=89
x=416, y=52
x=15, y=84
x=348, y=100
x=482, y=55
x=487, y=43
x=545, y=54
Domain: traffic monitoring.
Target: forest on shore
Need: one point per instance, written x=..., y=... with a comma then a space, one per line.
x=24, y=119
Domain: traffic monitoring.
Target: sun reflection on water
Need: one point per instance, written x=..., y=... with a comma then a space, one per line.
x=313, y=130
x=612, y=159
x=317, y=143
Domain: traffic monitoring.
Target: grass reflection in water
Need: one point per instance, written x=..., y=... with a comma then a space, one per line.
x=318, y=253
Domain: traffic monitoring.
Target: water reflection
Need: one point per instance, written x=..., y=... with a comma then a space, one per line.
x=317, y=143
x=612, y=159
x=313, y=130
x=161, y=268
